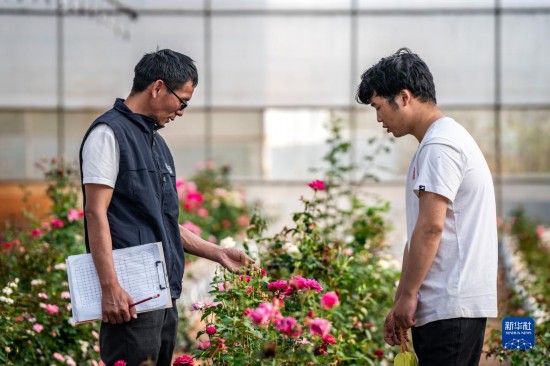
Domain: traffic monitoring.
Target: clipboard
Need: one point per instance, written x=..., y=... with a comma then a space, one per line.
x=141, y=271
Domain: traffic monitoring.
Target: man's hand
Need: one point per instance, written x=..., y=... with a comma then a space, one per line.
x=391, y=331
x=404, y=310
x=234, y=260
x=115, y=306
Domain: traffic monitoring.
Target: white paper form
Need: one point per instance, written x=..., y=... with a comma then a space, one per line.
x=140, y=271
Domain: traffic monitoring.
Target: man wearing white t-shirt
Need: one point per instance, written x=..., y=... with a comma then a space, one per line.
x=447, y=288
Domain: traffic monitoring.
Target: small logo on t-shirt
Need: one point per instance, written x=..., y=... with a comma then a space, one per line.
x=422, y=188
x=518, y=333
x=169, y=168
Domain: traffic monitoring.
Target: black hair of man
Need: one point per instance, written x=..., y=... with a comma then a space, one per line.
x=402, y=70
x=174, y=68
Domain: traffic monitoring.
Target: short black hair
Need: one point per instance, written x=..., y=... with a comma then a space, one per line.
x=174, y=68
x=402, y=70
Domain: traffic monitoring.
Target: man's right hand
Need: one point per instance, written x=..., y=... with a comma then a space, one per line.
x=115, y=306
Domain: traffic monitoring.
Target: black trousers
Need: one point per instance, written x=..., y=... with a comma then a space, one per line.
x=152, y=336
x=449, y=342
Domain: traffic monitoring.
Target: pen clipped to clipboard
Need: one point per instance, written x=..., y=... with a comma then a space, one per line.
x=141, y=271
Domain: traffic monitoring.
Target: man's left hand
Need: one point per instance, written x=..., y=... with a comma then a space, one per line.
x=403, y=311
x=234, y=260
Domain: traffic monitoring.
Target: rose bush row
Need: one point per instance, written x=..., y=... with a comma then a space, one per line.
x=34, y=298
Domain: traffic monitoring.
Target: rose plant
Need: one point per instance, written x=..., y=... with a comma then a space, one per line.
x=338, y=241
x=34, y=297
x=254, y=320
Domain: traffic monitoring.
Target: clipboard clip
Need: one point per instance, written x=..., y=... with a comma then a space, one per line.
x=163, y=279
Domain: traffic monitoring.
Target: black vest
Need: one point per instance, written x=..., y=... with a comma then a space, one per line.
x=144, y=207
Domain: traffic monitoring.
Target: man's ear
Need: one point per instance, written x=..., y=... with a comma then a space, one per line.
x=156, y=87
x=405, y=97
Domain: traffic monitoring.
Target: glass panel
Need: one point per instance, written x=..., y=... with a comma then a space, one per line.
x=459, y=52
x=99, y=64
x=279, y=4
x=281, y=61
x=28, y=62
x=294, y=142
x=167, y=4
x=237, y=142
x=524, y=3
x=425, y=4
x=25, y=138
x=526, y=141
x=525, y=55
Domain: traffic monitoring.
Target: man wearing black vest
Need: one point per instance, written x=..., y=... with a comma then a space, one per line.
x=130, y=198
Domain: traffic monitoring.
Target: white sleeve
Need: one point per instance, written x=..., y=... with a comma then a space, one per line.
x=100, y=157
x=440, y=170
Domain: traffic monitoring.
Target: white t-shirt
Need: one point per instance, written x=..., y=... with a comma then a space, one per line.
x=100, y=157
x=462, y=281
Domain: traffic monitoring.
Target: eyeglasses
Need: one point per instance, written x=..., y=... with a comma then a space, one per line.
x=183, y=104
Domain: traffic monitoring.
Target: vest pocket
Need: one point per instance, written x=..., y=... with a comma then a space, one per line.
x=171, y=199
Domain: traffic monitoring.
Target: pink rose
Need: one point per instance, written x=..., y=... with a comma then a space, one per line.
x=65, y=295
x=319, y=326
x=197, y=306
x=302, y=283
x=52, y=309
x=264, y=313
x=249, y=290
x=317, y=185
x=38, y=327
x=183, y=360
x=42, y=295
x=328, y=339
x=57, y=223
x=36, y=233
x=202, y=212
x=285, y=325
x=224, y=287
x=203, y=345
x=74, y=214
x=330, y=300
x=211, y=330
x=59, y=357
x=120, y=363
x=279, y=285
